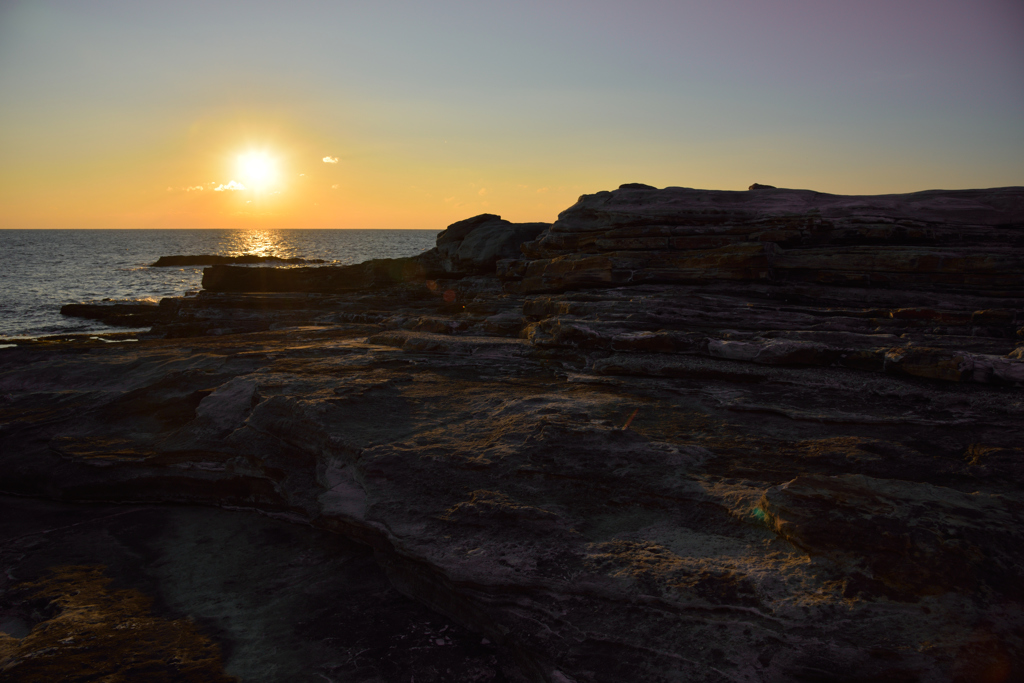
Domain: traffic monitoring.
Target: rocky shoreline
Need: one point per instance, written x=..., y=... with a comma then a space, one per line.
x=677, y=435
x=180, y=260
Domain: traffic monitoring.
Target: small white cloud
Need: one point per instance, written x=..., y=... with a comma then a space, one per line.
x=302, y=175
x=330, y=160
x=482, y=192
x=335, y=186
x=194, y=188
x=230, y=187
x=170, y=189
x=542, y=190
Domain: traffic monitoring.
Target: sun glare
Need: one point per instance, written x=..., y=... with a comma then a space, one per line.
x=257, y=169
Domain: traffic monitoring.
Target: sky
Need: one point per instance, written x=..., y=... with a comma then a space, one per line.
x=387, y=114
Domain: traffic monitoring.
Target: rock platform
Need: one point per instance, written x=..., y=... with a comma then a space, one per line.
x=180, y=260
x=684, y=435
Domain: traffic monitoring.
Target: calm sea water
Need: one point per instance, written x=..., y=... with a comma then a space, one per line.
x=40, y=270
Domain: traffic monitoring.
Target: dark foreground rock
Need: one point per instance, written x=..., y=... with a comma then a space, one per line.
x=160, y=593
x=117, y=313
x=694, y=473
x=475, y=245
x=470, y=247
x=376, y=273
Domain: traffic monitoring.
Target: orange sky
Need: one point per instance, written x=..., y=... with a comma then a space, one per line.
x=185, y=178
x=114, y=113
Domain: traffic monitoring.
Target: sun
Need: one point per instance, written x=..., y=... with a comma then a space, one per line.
x=257, y=169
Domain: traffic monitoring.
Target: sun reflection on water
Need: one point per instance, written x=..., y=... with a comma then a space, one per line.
x=260, y=243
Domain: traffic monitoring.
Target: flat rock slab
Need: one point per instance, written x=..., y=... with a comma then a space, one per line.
x=206, y=594
x=463, y=345
x=762, y=436
x=719, y=521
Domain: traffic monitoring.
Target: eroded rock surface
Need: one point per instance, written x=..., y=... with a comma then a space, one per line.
x=171, y=593
x=685, y=436
x=476, y=244
x=116, y=313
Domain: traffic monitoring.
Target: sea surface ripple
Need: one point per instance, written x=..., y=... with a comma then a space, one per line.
x=41, y=270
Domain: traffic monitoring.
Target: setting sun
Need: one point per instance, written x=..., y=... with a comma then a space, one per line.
x=257, y=169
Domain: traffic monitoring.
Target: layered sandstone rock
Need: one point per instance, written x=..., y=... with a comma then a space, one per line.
x=469, y=247
x=116, y=313
x=967, y=240
x=476, y=244
x=369, y=274
x=930, y=284
x=685, y=436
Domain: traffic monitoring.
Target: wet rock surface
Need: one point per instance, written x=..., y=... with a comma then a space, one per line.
x=724, y=467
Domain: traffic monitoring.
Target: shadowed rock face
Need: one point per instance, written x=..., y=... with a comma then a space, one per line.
x=376, y=273
x=116, y=313
x=965, y=241
x=213, y=259
x=170, y=593
x=469, y=247
x=821, y=478
x=476, y=244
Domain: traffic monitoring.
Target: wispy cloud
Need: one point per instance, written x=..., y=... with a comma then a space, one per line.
x=482, y=192
x=542, y=190
x=230, y=187
x=330, y=160
x=334, y=187
x=194, y=188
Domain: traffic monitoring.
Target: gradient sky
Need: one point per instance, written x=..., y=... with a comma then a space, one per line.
x=113, y=113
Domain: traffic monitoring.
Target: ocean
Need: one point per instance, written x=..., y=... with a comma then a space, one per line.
x=41, y=270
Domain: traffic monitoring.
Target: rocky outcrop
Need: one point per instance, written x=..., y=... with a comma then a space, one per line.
x=117, y=313
x=216, y=260
x=756, y=436
x=929, y=284
x=324, y=279
x=466, y=305
x=476, y=244
x=956, y=241
x=469, y=247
